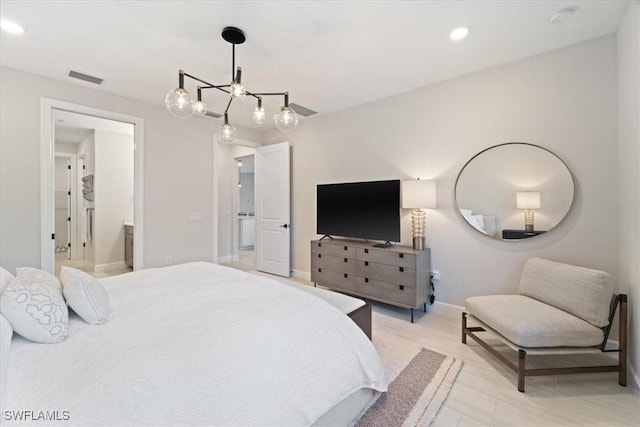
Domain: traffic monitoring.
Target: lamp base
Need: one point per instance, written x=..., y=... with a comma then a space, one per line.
x=419, y=243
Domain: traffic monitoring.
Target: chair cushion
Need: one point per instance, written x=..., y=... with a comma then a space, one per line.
x=528, y=322
x=580, y=291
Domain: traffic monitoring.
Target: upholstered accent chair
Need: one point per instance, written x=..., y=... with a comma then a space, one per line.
x=559, y=309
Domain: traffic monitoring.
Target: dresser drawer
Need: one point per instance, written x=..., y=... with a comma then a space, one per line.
x=333, y=263
x=333, y=249
x=334, y=279
x=396, y=294
x=382, y=256
x=388, y=273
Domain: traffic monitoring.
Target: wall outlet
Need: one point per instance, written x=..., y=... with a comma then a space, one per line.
x=436, y=275
x=169, y=260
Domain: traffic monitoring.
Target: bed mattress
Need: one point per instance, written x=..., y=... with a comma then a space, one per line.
x=198, y=344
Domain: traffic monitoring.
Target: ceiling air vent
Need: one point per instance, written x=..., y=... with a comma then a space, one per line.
x=85, y=77
x=213, y=115
x=303, y=111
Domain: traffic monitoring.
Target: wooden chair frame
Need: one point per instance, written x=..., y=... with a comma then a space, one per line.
x=521, y=369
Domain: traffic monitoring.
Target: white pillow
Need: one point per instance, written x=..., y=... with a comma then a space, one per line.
x=34, y=306
x=85, y=295
x=5, y=346
x=5, y=278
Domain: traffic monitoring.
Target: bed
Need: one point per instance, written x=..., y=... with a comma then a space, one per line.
x=201, y=344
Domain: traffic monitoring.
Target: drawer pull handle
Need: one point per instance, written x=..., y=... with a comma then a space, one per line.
x=319, y=245
x=401, y=269
x=366, y=251
x=345, y=248
x=366, y=263
x=401, y=287
x=401, y=255
x=319, y=270
x=366, y=280
x=346, y=275
x=345, y=260
x=319, y=255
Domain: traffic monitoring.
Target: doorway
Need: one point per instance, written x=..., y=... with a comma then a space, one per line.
x=119, y=142
x=244, y=231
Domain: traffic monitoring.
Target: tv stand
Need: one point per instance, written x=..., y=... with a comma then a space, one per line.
x=397, y=275
x=386, y=244
x=324, y=237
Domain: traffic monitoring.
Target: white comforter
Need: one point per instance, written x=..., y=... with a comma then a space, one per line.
x=198, y=344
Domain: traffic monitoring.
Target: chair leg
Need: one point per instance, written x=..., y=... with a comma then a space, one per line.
x=521, y=368
x=464, y=327
x=622, y=356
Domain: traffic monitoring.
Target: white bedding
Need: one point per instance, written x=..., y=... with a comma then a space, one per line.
x=198, y=344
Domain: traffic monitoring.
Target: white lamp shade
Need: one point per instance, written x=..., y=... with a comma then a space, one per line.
x=528, y=200
x=419, y=194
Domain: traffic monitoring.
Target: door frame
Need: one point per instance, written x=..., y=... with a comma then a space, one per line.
x=47, y=169
x=73, y=211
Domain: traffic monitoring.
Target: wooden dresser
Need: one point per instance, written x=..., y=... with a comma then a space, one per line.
x=397, y=275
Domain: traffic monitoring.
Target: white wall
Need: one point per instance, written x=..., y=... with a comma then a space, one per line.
x=628, y=217
x=113, y=182
x=66, y=147
x=177, y=177
x=563, y=100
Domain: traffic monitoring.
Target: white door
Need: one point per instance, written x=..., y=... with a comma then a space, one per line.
x=272, y=204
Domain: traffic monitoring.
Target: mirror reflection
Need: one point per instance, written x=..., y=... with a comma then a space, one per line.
x=514, y=191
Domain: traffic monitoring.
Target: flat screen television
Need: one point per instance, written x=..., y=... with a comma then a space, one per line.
x=365, y=210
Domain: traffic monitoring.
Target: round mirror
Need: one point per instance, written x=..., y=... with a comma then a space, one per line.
x=514, y=191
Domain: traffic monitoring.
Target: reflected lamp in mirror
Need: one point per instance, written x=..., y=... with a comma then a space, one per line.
x=417, y=195
x=528, y=201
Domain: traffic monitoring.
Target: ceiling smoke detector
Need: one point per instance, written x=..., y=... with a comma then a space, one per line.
x=563, y=15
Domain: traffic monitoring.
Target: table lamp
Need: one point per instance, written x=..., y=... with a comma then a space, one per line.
x=417, y=195
x=528, y=201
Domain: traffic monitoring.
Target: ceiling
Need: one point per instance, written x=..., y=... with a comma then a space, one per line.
x=328, y=55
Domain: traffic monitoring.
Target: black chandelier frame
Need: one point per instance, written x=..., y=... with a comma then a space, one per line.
x=234, y=36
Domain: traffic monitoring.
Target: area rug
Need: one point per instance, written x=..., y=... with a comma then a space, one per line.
x=416, y=395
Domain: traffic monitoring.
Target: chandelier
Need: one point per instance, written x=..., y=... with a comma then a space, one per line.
x=181, y=104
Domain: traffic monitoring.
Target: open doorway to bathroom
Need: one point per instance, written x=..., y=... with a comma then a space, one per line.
x=245, y=229
x=93, y=193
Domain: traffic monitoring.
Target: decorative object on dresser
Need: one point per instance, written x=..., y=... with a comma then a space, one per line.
x=398, y=275
x=418, y=195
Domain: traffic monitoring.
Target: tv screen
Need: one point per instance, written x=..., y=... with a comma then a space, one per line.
x=366, y=210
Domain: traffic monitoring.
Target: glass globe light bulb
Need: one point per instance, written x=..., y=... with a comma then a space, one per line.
x=180, y=103
x=201, y=108
x=237, y=91
x=259, y=115
x=286, y=119
x=227, y=134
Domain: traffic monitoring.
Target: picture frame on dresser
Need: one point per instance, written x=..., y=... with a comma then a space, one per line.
x=396, y=275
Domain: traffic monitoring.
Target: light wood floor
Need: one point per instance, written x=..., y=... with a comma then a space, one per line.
x=485, y=394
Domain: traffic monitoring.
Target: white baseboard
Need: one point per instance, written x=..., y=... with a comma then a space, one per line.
x=443, y=308
x=99, y=268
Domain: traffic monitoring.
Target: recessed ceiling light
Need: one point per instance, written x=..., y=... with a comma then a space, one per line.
x=11, y=27
x=459, y=33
